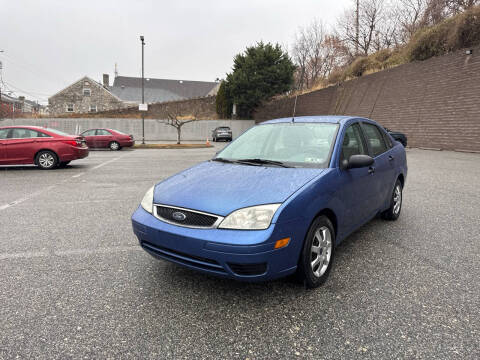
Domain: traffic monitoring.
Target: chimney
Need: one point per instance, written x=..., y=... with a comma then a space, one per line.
x=106, y=80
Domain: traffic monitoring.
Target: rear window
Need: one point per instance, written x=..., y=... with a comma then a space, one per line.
x=58, y=132
x=224, y=128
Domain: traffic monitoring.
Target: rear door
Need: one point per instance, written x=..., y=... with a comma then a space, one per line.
x=384, y=165
x=357, y=189
x=89, y=136
x=3, y=148
x=103, y=138
x=20, y=146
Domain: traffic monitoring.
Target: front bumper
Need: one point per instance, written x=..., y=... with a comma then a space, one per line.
x=238, y=254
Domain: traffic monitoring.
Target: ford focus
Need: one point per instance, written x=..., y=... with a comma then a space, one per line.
x=277, y=200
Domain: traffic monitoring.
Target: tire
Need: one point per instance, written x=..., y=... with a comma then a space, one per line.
x=396, y=200
x=63, y=164
x=214, y=139
x=46, y=160
x=317, y=254
x=114, y=146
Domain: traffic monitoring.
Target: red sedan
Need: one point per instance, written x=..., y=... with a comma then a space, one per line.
x=44, y=147
x=107, y=138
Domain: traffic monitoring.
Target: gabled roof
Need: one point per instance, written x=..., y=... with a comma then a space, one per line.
x=160, y=90
x=91, y=82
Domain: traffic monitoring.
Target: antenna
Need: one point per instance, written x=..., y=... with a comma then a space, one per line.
x=116, y=70
x=294, y=107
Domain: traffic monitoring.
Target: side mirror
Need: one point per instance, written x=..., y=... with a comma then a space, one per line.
x=357, y=161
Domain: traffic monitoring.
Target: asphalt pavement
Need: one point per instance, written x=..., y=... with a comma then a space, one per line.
x=75, y=283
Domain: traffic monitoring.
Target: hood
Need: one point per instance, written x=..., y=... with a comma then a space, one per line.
x=220, y=188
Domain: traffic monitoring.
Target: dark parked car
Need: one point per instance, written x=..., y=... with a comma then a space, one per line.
x=398, y=136
x=107, y=138
x=277, y=200
x=44, y=147
x=222, y=133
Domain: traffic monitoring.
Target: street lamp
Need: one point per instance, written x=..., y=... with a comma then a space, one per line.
x=143, y=92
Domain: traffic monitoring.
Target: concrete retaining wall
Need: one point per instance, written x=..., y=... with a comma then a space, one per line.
x=155, y=130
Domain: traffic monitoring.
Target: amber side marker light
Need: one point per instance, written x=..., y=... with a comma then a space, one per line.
x=282, y=243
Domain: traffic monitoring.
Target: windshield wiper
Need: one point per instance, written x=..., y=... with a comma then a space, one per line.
x=263, y=161
x=223, y=160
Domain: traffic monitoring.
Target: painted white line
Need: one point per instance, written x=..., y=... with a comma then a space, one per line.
x=32, y=195
x=71, y=252
x=23, y=255
x=25, y=198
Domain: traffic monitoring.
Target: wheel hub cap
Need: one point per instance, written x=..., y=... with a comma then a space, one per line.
x=321, y=251
x=397, y=200
x=46, y=160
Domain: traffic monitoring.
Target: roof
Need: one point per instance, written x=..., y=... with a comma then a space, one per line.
x=160, y=90
x=96, y=83
x=314, y=119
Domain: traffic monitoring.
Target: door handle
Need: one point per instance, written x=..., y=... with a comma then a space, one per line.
x=371, y=170
x=390, y=158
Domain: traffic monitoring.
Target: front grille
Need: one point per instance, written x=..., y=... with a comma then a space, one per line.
x=248, y=269
x=191, y=218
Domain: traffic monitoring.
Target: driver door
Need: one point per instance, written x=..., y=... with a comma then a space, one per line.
x=356, y=186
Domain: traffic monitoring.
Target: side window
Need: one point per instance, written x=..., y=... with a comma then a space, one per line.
x=23, y=134
x=352, y=142
x=89, y=133
x=41, y=134
x=3, y=133
x=387, y=139
x=374, y=139
x=103, y=132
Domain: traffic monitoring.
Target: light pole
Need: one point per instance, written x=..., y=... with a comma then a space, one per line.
x=143, y=92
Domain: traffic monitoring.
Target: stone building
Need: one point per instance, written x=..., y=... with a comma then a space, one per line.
x=83, y=96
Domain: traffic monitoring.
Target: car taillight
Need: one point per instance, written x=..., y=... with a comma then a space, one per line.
x=70, y=142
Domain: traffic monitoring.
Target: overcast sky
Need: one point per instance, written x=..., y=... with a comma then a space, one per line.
x=50, y=44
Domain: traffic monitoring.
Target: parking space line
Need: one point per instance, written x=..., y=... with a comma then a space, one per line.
x=70, y=252
x=32, y=195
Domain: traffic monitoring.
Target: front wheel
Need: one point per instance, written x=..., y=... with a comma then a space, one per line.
x=317, y=254
x=114, y=146
x=393, y=212
x=46, y=160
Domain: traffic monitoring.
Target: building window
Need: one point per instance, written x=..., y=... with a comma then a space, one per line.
x=86, y=92
x=86, y=83
x=93, y=108
x=69, y=107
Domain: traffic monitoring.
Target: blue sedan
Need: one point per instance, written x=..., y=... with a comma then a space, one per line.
x=277, y=200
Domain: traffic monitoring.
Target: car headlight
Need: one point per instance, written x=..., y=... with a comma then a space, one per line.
x=250, y=218
x=147, y=202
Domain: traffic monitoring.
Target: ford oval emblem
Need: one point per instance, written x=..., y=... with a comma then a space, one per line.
x=179, y=216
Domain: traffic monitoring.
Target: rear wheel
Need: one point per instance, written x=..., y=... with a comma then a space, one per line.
x=317, y=254
x=46, y=160
x=114, y=146
x=393, y=212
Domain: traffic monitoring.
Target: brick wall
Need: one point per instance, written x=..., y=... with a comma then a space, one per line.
x=435, y=102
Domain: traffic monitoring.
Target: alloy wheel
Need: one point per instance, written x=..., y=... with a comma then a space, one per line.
x=397, y=199
x=321, y=251
x=46, y=160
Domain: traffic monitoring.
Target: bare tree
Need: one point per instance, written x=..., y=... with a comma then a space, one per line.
x=407, y=16
x=178, y=114
x=315, y=53
x=374, y=29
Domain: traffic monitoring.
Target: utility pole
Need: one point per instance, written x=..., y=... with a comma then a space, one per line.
x=357, y=25
x=143, y=91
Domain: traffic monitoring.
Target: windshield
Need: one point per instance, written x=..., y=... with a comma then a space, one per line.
x=295, y=144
